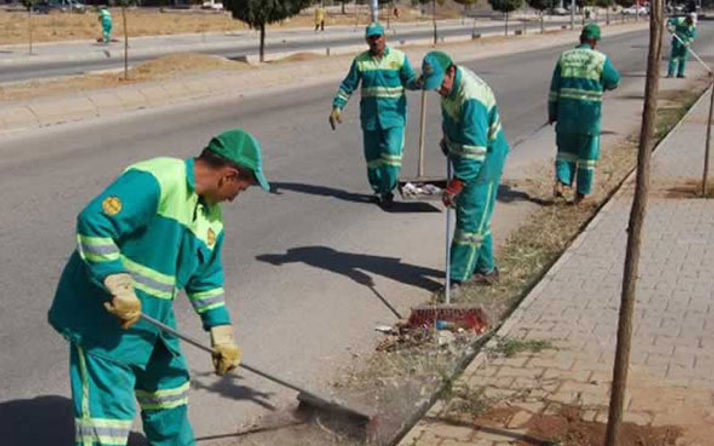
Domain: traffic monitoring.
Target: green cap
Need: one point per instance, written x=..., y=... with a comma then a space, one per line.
x=374, y=29
x=241, y=148
x=433, y=69
x=591, y=31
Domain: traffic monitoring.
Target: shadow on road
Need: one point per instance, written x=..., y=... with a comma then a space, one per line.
x=227, y=387
x=325, y=191
x=354, y=266
x=44, y=420
x=507, y=194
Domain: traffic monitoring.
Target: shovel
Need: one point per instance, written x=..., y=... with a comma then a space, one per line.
x=308, y=397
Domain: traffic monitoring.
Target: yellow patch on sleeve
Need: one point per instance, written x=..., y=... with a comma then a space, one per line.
x=211, y=237
x=111, y=206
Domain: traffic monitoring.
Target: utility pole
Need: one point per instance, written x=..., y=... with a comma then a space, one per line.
x=572, y=14
x=374, y=6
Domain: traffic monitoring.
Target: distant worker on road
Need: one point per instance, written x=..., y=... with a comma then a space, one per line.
x=685, y=30
x=105, y=18
x=384, y=73
x=580, y=77
x=320, y=14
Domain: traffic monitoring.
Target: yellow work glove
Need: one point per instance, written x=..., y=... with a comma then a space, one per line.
x=226, y=354
x=335, y=117
x=124, y=304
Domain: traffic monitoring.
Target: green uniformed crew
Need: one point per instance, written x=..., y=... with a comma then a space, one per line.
x=105, y=18
x=580, y=77
x=686, y=29
x=155, y=230
x=476, y=146
x=384, y=73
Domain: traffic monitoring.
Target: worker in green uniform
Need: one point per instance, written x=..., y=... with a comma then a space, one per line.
x=685, y=30
x=384, y=73
x=476, y=147
x=580, y=77
x=105, y=18
x=155, y=230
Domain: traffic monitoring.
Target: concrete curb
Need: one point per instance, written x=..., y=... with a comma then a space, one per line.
x=44, y=112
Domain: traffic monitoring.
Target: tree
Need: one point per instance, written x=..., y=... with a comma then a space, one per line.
x=125, y=4
x=541, y=6
x=343, y=5
x=29, y=4
x=506, y=7
x=467, y=5
x=259, y=13
x=607, y=4
x=433, y=15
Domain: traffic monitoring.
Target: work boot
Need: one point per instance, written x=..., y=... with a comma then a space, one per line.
x=558, y=190
x=681, y=76
x=486, y=279
x=579, y=198
x=387, y=200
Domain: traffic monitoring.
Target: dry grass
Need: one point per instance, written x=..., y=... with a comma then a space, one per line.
x=150, y=21
x=164, y=67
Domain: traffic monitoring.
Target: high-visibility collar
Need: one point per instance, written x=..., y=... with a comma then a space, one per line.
x=457, y=82
x=190, y=177
x=385, y=54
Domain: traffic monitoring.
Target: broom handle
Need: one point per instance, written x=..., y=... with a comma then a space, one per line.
x=696, y=56
x=422, y=131
x=447, y=291
x=196, y=343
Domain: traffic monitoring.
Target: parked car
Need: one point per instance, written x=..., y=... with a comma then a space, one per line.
x=47, y=6
x=634, y=10
x=215, y=6
x=559, y=11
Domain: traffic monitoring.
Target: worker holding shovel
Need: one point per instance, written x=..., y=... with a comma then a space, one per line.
x=684, y=31
x=155, y=230
x=384, y=73
x=476, y=147
x=580, y=77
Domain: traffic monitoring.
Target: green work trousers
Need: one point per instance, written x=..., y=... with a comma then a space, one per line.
x=677, y=59
x=107, y=31
x=472, y=245
x=577, y=155
x=104, y=395
x=383, y=153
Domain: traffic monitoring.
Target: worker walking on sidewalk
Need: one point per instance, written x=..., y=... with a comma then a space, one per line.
x=385, y=73
x=476, y=147
x=320, y=17
x=581, y=76
x=105, y=18
x=686, y=29
x=155, y=230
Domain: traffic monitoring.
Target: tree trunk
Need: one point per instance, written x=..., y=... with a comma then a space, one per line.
x=126, y=43
x=634, y=232
x=607, y=15
x=705, y=175
x=542, y=22
x=433, y=20
x=29, y=27
x=343, y=7
x=506, y=26
x=262, y=42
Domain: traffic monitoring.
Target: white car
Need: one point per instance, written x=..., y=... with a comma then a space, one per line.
x=212, y=5
x=634, y=10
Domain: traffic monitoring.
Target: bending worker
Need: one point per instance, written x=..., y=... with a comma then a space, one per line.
x=105, y=18
x=685, y=28
x=476, y=147
x=575, y=103
x=155, y=230
x=384, y=73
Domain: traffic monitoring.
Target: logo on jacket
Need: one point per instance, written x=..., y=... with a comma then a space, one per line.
x=211, y=237
x=111, y=206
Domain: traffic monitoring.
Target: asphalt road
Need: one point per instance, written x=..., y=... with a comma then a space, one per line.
x=306, y=268
x=245, y=44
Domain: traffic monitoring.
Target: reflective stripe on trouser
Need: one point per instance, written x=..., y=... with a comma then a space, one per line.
x=383, y=153
x=103, y=393
x=576, y=159
x=677, y=59
x=107, y=32
x=472, y=246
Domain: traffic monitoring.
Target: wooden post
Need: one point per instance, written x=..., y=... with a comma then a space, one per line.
x=708, y=143
x=634, y=233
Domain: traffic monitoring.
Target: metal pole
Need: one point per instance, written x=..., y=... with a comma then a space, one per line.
x=572, y=14
x=422, y=131
x=447, y=290
x=709, y=138
x=374, y=5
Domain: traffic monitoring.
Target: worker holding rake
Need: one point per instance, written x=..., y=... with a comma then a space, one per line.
x=685, y=30
x=476, y=147
x=155, y=230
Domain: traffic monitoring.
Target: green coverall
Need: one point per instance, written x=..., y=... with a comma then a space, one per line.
x=679, y=55
x=575, y=102
x=151, y=224
x=383, y=110
x=477, y=149
x=106, y=19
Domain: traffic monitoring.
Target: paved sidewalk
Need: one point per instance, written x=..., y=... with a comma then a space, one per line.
x=576, y=308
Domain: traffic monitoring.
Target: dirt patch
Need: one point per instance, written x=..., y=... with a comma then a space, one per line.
x=680, y=188
x=567, y=427
x=165, y=67
x=298, y=57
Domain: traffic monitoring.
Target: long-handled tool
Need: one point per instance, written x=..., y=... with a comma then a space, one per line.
x=421, y=187
x=309, y=397
x=696, y=56
x=447, y=290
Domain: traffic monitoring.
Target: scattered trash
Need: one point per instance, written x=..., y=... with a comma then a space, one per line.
x=386, y=329
x=451, y=317
x=420, y=189
x=445, y=337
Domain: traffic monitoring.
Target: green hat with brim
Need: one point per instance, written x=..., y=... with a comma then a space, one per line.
x=591, y=31
x=433, y=68
x=374, y=29
x=241, y=148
